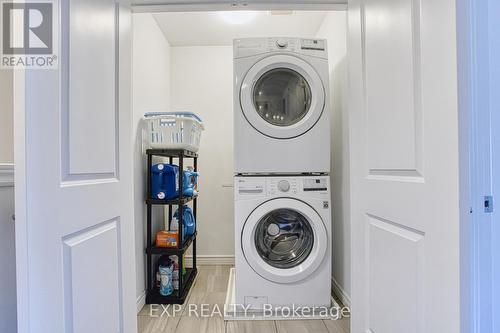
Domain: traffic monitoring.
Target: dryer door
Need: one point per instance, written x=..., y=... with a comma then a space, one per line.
x=284, y=240
x=282, y=96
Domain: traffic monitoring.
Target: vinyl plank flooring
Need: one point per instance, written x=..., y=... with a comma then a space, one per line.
x=248, y=326
x=301, y=326
x=198, y=298
x=152, y=310
x=338, y=326
x=210, y=288
x=157, y=325
x=213, y=282
x=201, y=325
x=214, y=270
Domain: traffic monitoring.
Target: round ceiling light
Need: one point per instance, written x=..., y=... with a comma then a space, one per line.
x=237, y=17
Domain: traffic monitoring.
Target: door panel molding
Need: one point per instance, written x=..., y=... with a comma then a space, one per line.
x=386, y=166
x=394, y=280
x=100, y=243
x=84, y=125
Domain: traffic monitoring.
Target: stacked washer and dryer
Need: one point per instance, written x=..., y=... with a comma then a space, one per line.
x=282, y=164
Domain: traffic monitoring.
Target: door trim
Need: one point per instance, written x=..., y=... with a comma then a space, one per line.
x=6, y=174
x=477, y=176
x=146, y=6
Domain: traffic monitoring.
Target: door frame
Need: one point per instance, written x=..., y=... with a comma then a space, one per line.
x=476, y=62
x=146, y=6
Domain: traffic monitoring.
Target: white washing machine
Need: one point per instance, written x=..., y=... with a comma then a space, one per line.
x=281, y=106
x=283, y=241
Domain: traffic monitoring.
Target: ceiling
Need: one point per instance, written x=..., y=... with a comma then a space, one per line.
x=220, y=28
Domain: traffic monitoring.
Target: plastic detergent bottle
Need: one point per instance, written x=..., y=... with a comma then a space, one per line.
x=175, y=274
x=174, y=224
x=188, y=221
x=166, y=272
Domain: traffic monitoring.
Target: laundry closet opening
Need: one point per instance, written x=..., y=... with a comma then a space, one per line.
x=183, y=61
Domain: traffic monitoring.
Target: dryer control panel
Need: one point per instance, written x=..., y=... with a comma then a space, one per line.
x=251, y=46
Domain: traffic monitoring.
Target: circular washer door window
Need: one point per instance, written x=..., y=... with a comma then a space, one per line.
x=282, y=96
x=284, y=240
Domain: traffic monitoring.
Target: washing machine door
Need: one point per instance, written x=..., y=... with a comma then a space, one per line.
x=284, y=240
x=282, y=96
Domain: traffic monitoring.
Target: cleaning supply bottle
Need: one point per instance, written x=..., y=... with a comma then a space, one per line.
x=175, y=275
x=188, y=221
x=174, y=224
x=166, y=272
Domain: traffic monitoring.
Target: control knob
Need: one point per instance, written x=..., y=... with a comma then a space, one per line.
x=284, y=186
x=281, y=43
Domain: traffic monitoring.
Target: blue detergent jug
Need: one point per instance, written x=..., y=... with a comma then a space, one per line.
x=187, y=220
x=164, y=184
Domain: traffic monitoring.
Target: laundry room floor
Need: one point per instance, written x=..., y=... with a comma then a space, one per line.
x=210, y=288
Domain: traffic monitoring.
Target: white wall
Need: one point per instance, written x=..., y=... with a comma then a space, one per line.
x=8, y=312
x=6, y=117
x=334, y=29
x=151, y=92
x=201, y=82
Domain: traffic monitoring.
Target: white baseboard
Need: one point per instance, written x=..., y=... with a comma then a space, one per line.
x=340, y=293
x=211, y=260
x=6, y=175
x=141, y=301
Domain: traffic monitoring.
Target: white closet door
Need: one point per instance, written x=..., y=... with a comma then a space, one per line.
x=405, y=166
x=74, y=228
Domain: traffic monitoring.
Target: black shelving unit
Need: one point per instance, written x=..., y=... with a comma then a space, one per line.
x=153, y=295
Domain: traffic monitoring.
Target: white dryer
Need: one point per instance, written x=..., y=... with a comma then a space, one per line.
x=281, y=106
x=283, y=241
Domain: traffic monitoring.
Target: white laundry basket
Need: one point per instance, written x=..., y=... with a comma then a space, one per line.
x=173, y=130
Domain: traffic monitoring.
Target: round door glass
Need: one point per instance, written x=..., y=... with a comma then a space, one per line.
x=282, y=97
x=284, y=238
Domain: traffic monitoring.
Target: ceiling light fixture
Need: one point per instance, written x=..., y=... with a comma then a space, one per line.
x=280, y=12
x=237, y=17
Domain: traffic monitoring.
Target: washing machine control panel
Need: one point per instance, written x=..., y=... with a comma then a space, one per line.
x=284, y=185
x=252, y=187
x=276, y=186
x=281, y=43
x=315, y=184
